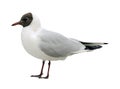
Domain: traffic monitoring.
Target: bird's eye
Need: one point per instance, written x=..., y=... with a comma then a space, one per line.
x=25, y=19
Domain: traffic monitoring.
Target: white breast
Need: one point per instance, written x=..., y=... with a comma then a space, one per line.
x=31, y=44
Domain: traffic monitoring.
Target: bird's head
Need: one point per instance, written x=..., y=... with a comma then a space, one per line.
x=28, y=19
x=25, y=20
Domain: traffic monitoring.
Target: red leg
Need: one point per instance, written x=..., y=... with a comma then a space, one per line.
x=48, y=70
x=41, y=73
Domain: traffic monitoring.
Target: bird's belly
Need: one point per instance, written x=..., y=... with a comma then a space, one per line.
x=31, y=45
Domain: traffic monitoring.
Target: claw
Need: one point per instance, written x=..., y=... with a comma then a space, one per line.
x=38, y=76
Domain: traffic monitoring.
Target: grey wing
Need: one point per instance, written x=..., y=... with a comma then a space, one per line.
x=56, y=45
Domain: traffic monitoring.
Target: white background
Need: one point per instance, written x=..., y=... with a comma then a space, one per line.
x=85, y=20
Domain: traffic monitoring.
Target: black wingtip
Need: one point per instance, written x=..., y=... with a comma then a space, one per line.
x=93, y=47
x=105, y=43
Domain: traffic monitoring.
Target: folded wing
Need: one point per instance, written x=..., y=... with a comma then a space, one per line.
x=56, y=45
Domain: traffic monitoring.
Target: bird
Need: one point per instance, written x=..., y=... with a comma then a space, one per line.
x=48, y=45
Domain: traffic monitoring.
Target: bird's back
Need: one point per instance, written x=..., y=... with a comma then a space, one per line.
x=56, y=45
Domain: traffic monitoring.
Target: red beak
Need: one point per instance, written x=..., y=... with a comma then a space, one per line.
x=17, y=23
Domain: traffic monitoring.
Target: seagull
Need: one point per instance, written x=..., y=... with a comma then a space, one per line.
x=47, y=45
